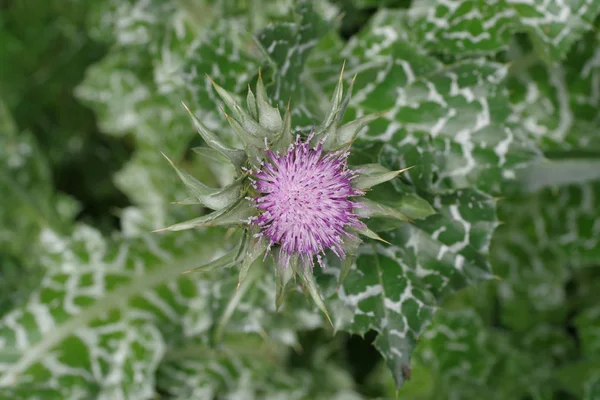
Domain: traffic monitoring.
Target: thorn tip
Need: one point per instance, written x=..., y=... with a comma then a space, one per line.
x=404, y=169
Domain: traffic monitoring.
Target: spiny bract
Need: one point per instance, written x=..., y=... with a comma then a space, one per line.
x=293, y=198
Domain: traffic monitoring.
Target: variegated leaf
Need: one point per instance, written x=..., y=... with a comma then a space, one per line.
x=395, y=289
x=479, y=26
x=449, y=122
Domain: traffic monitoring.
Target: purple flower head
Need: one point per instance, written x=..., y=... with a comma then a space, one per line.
x=305, y=201
x=295, y=198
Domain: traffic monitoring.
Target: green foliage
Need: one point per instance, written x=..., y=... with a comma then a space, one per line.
x=479, y=26
x=487, y=286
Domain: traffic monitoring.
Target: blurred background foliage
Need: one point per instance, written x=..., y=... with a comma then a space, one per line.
x=90, y=94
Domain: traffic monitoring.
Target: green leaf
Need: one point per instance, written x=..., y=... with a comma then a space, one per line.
x=480, y=27
x=579, y=377
x=226, y=59
x=287, y=44
x=560, y=172
x=546, y=237
x=395, y=289
x=592, y=389
x=204, y=373
x=556, y=105
x=468, y=358
x=26, y=184
x=448, y=122
x=457, y=347
x=368, y=233
x=392, y=306
x=381, y=3
x=126, y=102
x=284, y=277
x=128, y=24
x=128, y=297
x=233, y=303
x=588, y=330
x=254, y=370
x=82, y=308
x=30, y=204
x=139, y=86
x=554, y=221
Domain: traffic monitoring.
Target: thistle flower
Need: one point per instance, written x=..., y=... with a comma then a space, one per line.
x=293, y=198
x=305, y=202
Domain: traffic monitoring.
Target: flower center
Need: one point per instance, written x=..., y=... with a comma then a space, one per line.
x=305, y=200
x=292, y=200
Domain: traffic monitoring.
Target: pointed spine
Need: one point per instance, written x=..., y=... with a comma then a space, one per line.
x=328, y=125
x=237, y=214
x=309, y=283
x=374, y=174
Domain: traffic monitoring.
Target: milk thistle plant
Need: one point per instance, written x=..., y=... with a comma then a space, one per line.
x=295, y=197
x=495, y=107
